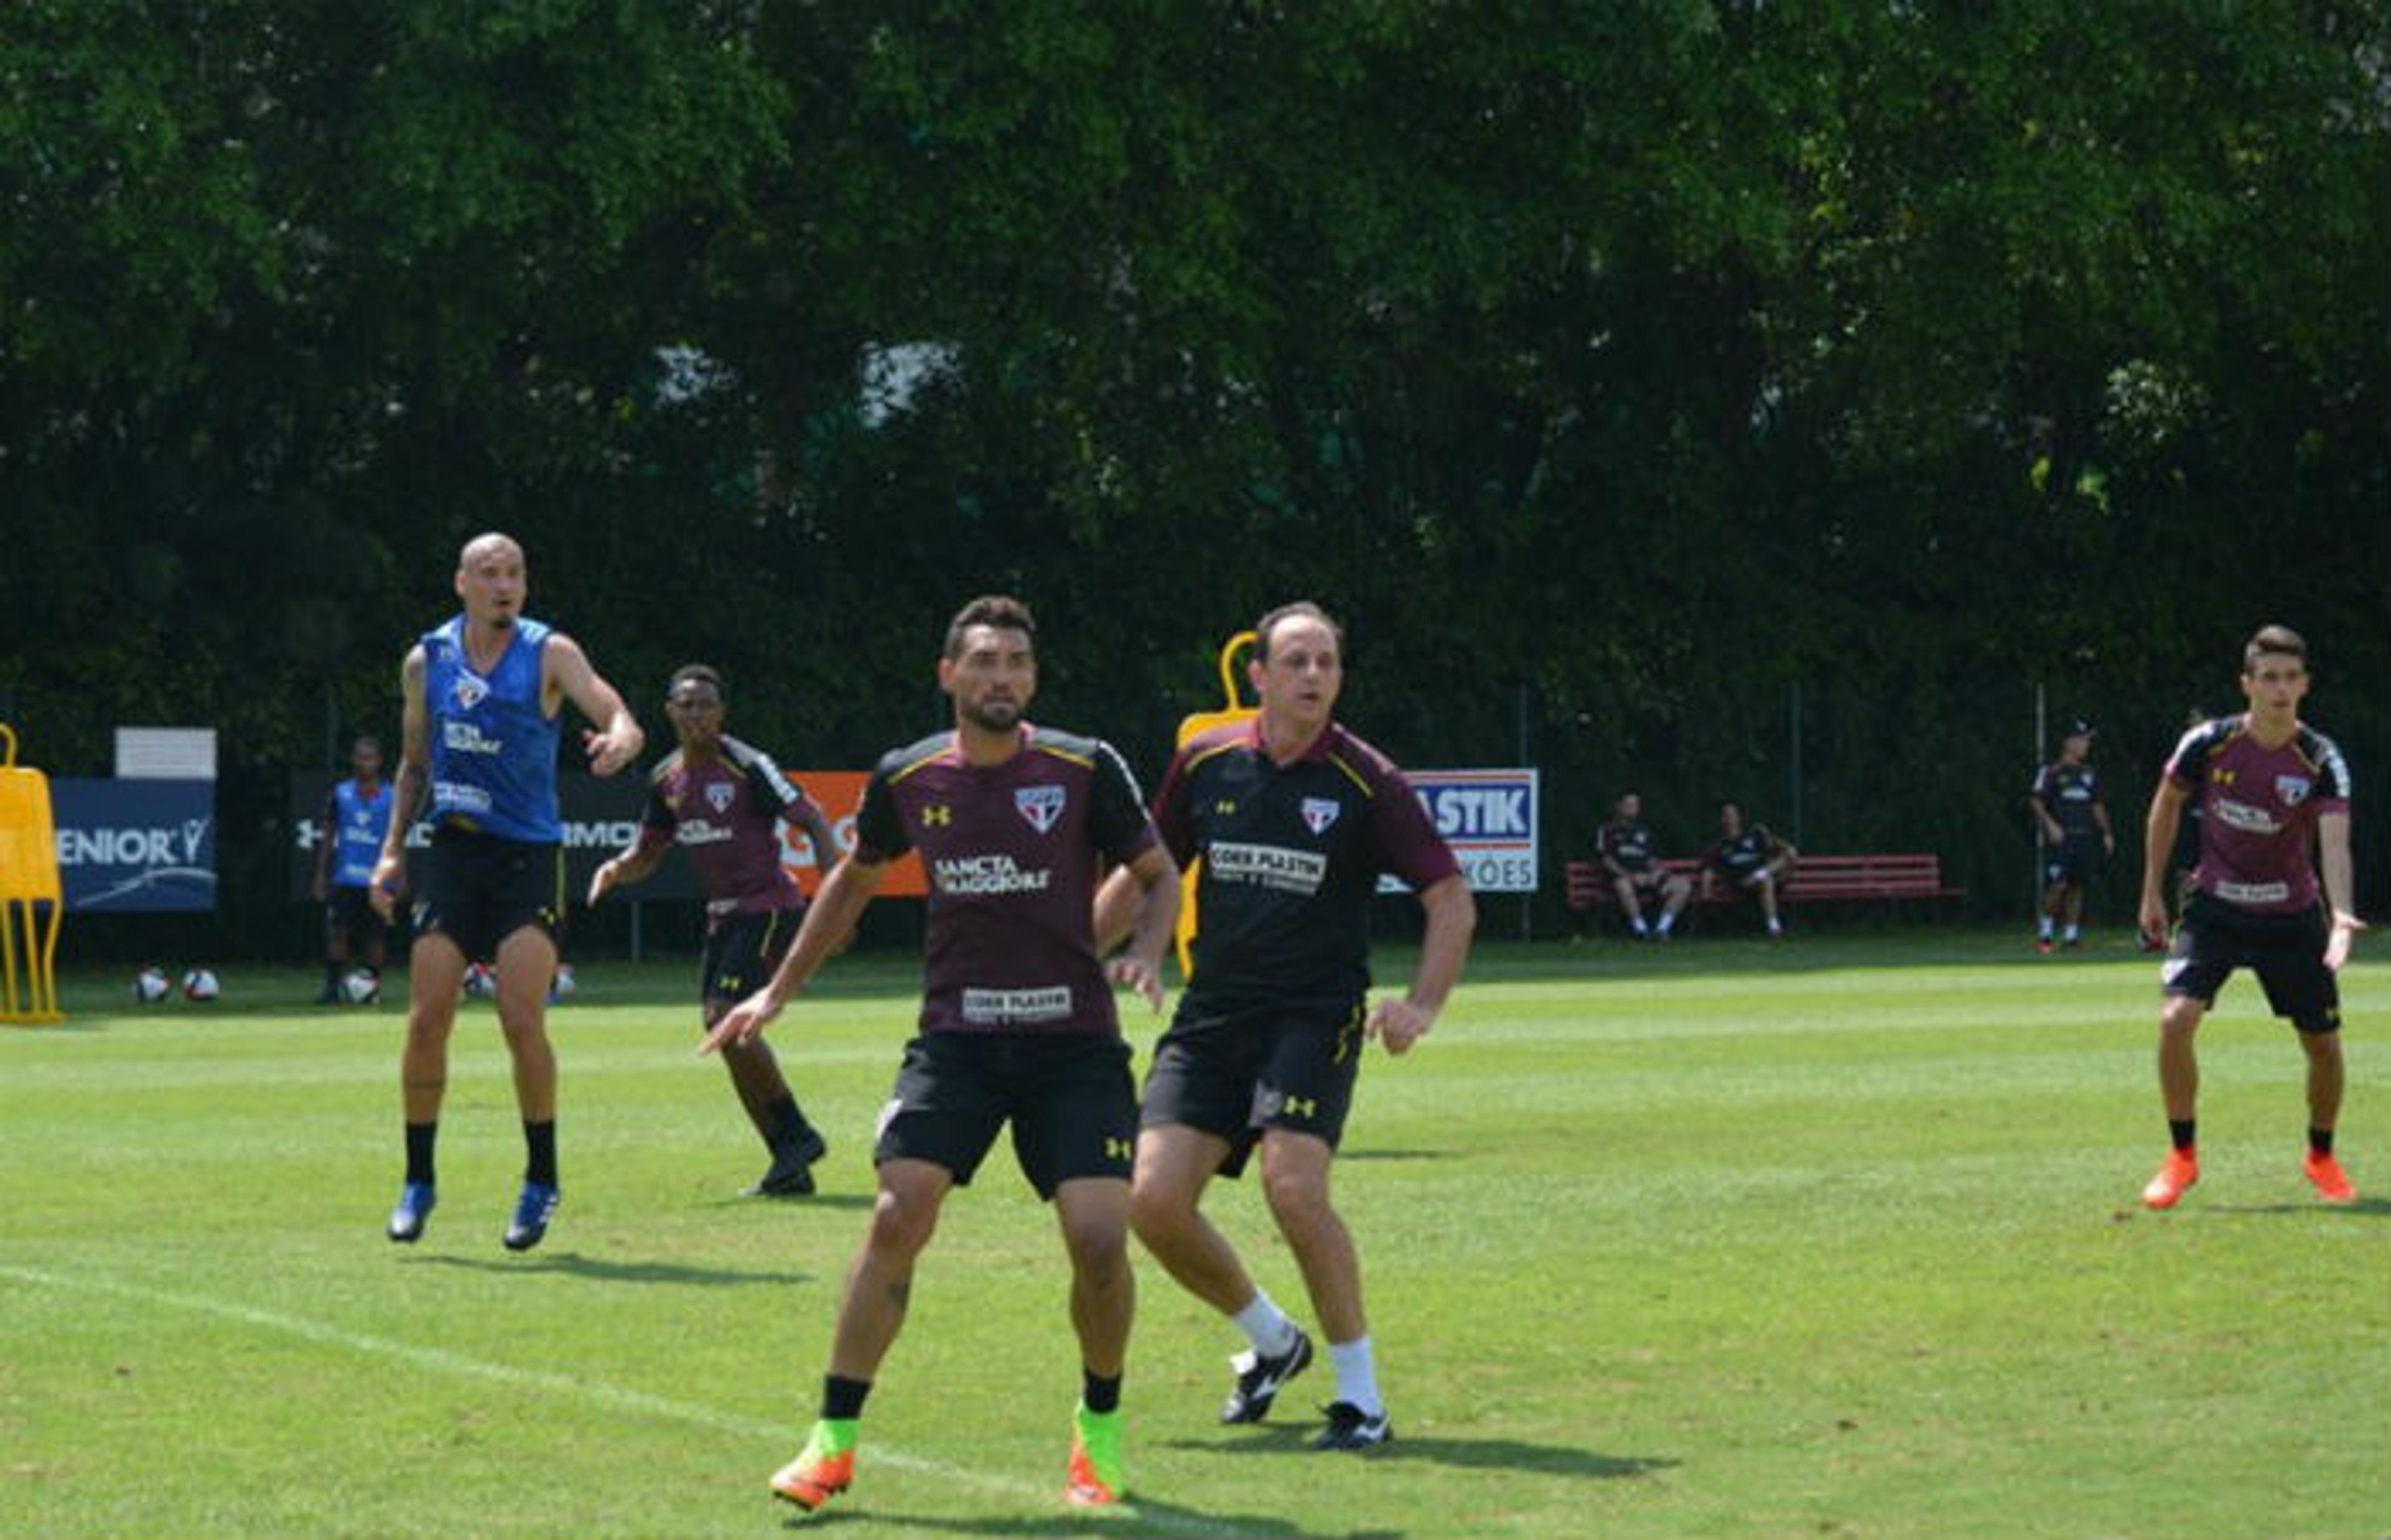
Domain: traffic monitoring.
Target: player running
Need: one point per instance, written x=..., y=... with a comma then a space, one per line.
x=723, y=802
x=1294, y=819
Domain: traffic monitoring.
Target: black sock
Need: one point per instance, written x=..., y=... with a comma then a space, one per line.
x=2320, y=1140
x=2183, y=1131
x=420, y=1138
x=1097, y=1393
x=539, y=1142
x=784, y=1125
x=842, y=1398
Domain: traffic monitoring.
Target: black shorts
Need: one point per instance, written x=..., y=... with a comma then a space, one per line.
x=1234, y=1070
x=349, y=914
x=1067, y=1094
x=2285, y=951
x=2071, y=862
x=480, y=888
x=743, y=950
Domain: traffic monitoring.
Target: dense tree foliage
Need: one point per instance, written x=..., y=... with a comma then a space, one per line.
x=1775, y=399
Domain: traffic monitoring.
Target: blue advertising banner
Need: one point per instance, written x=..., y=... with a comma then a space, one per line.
x=135, y=846
x=1489, y=818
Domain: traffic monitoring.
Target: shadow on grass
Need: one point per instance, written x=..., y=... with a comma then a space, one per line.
x=611, y=1269
x=860, y=1201
x=1474, y=1454
x=2365, y=1208
x=1138, y=1516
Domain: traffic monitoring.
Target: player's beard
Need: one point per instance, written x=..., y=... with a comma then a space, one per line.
x=994, y=715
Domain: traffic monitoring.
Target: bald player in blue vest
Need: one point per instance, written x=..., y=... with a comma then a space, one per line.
x=485, y=696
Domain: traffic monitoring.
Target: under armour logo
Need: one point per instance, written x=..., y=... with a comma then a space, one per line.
x=1118, y=1150
x=1302, y=1107
x=937, y=814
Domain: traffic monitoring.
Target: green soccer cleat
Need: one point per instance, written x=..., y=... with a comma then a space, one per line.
x=1095, y=1469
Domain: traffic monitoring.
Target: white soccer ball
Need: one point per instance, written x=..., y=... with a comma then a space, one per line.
x=200, y=984
x=561, y=986
x=360, y=986
x=152, y=986
x=481, y=980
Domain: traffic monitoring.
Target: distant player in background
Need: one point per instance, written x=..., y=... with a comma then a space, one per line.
x=1017, y=1022
x=723, y=802
x=485, y=692
x=2274, y=799
x=2073, y=823
x=1750, y=859
x=1294, y=819
x=349, y=834
x=1623, y=847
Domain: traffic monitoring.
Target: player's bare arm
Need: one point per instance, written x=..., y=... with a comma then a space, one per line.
x=408, y=786
x=2158, y=845
x=636, y=865
x=1155, y=879
x=2333, y=867
x=844, y=893
x=567, y=672
x=1399, y=1021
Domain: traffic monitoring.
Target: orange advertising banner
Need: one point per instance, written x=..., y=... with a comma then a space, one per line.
x=839, y=794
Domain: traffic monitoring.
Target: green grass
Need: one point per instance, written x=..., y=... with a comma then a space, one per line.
x=1832, y=1239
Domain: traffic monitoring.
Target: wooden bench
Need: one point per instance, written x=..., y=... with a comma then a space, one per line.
x=1813, y=879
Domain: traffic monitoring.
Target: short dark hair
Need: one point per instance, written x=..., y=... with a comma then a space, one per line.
x=1000, y=611
x=2280, y=640
x=363, y=740
x=693, y=673
x=1726, y=803
x=1305, y=607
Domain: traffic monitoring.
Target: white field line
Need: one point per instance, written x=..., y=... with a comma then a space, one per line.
x=613, y=1397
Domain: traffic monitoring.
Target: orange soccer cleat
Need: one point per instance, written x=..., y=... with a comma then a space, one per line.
x=822, y=1469
x=2331, y=1182
x=2175, y=1178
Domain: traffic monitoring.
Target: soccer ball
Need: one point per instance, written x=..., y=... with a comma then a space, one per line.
x=561, y=987
x=150, y=986
x=481, y=980
x=200, y=985
x=361, y=986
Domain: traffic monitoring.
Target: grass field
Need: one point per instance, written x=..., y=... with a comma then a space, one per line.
x=1834, y=1239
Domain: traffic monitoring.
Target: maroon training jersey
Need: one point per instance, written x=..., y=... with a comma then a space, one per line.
x=2258, y=811
x=725, y=815
x=1012, y=853
x=1292, y=855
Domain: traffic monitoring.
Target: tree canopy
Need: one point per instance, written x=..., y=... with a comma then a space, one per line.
x=1726, y=397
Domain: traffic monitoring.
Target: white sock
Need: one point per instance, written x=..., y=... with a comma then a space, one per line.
x=1357, y=1376
x=1265, y=1326
x=2074, y=933
x=2046, y=927
x=1776, y=928
x=1666, y=921
x=1640, y=927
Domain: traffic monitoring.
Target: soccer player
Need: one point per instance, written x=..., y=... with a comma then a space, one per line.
x=723, y=802
x=349, y=835
x=484, y=694
x=1751, y=859
x=2071, y=820
x=1623, y=846
x=2274, y=800
x=1294, y=819
x=1016, y=1025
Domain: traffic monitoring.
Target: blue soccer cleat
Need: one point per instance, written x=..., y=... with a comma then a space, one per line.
x=532, y=1211
x=416, y=1201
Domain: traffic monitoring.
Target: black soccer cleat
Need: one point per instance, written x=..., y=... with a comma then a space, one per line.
x=1352, y=1428
x=1259, y=1380
x=792, y=1173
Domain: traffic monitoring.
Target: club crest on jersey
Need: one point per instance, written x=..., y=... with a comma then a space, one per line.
x=2292, y=790
x=718, y=795
x=470, y=690
x=1319, y=812
x=1040, y=805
